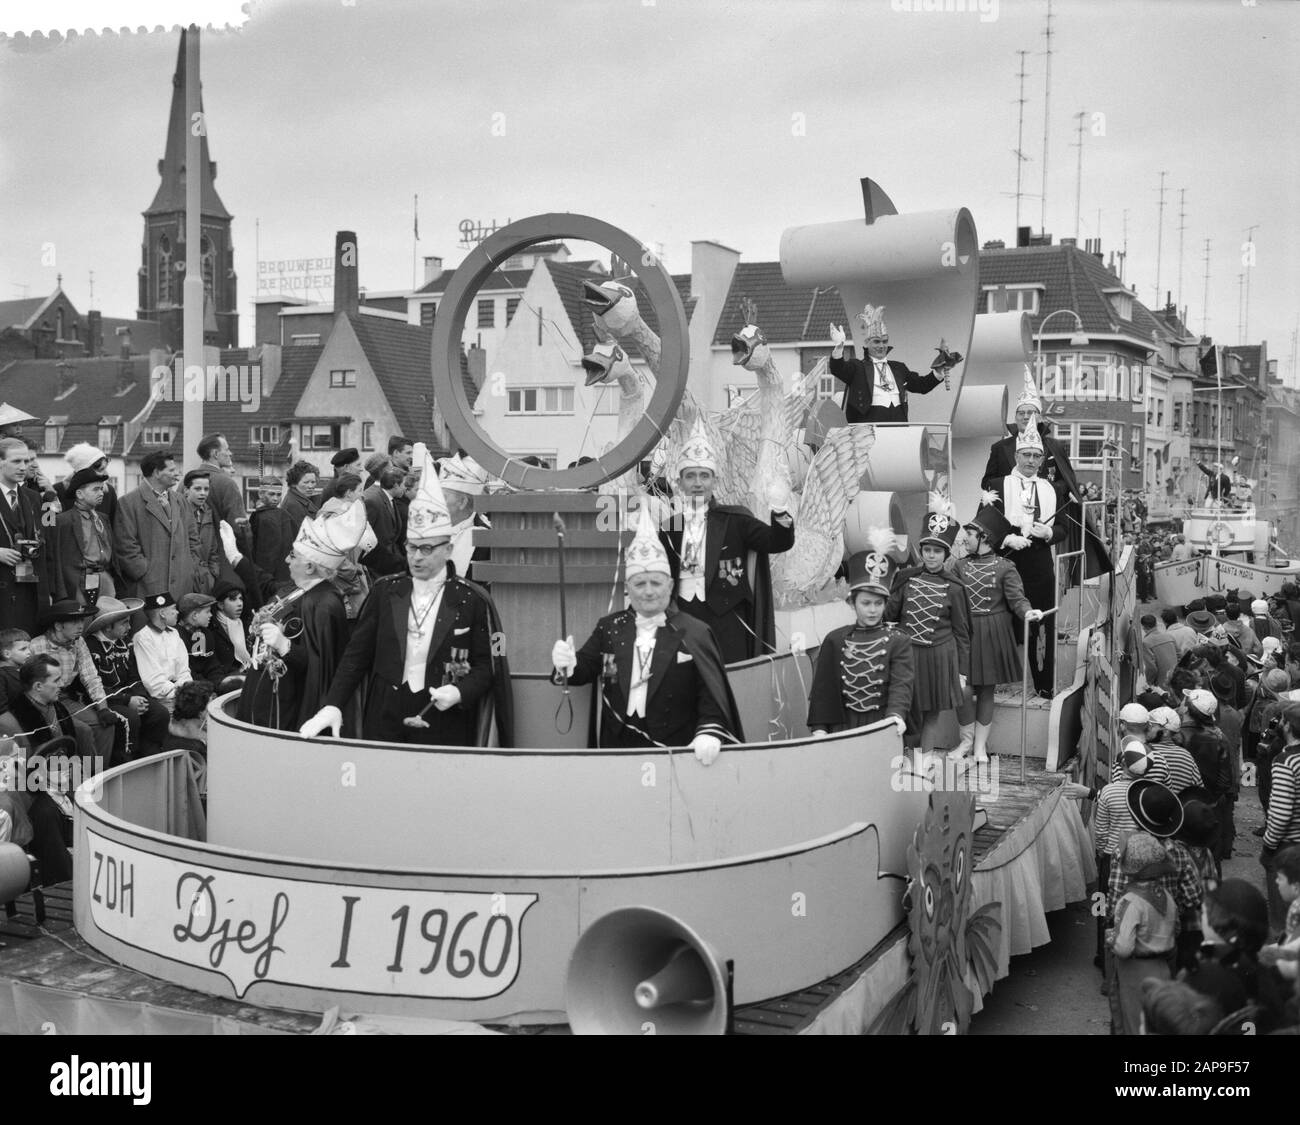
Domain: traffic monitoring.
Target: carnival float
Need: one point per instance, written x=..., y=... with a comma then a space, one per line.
x=838, y=884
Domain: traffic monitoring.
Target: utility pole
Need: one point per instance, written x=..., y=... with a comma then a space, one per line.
x=1021, y=158
x=1047, y=114
x=1078, y=175
x=1160, y=234
x=90, y=301
x=1182, y=226
x=1205, y=301
x=1241, y=290
x=1123, y=254
x=1250, y=265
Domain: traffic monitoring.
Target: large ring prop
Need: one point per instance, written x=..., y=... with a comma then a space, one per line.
x=449, y=390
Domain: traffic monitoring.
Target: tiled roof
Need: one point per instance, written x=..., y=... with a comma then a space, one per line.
x=568, y=278
x=496, y=282
x=786, y=313
x=18, y=313
x=401, y=357
x=296, y=367
x=32, y=385
x=1072, y=279
x=145, y=334
x=1249, y=355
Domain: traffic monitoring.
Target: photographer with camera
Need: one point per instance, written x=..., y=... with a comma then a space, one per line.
x=24, y=589
x=1283, y=825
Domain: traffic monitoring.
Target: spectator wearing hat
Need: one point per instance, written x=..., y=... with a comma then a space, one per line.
x=1182, y=634
x=272, y=533
x=462, y=479
x=194, y=624
x=864, y=670
x=1208, y=746
x=1282, y=828
x=931, y=607
x=1171, y=764
x=79, y=458
x=1160, y=653
x=1146, y=921
x=302, y=499
x=156, y=544
x=1155, y=809
x=83, y=564
x=1258, y=746
x=1262, y=621
x=1200, y=833
x=1217, y=604
x=346, y=462
x=79, y=681
x=145, y=717
x=375, y=464
x=1201, y=620
x=160, y=654
x=195, y=495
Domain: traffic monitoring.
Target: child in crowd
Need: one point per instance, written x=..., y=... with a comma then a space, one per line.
x=1146, y=920
x=1173, y=1007
x=194, y=626
x=1112, y=821
x=932, y=609
x=229, y=639
x=160, y=654
x=1284, y=955
x=995, y=592
x=15, y=648
x=864, y=670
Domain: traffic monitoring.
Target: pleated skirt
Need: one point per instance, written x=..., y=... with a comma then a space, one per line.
x=994, y=654
x=936, y=684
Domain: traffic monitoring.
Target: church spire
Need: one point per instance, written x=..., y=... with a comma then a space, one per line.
x=171, y=192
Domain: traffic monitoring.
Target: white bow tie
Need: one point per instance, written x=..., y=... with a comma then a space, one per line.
x=650, y=624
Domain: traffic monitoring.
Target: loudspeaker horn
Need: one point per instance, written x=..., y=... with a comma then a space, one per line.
x=639, y=971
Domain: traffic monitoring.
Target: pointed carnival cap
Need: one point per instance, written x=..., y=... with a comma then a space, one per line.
x=463, y=474
x=940, y=526
x=428, y=520
x=992, y=524
x=645, y=554
x=698, y=452
x=873, y=570
x=873, y=321
x=1029, y=395
x=327, y=538
x=1028, y=439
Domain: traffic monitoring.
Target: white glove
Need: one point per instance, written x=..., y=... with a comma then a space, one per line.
x=707, y=747
x=1015, y=543
x=1034, y=615
x=818, y=734
x=963, y=681
x=838, y=336
x=273, y=637
x=327, y=718
x=900, y=723
x=1041, y=531
x=564, y=656
x=228, y=544
x=446, y=696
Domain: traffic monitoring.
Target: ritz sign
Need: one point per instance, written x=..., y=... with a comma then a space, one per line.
x=464, y=945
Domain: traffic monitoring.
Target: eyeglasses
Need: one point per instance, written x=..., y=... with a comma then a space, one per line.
x=424, y=550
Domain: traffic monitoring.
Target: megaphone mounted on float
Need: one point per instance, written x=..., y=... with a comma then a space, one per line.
x=639, y=971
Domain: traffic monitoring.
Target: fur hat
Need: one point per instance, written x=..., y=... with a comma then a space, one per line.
x=82, y=456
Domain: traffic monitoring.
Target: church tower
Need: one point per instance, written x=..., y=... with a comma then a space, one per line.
x=163, y=254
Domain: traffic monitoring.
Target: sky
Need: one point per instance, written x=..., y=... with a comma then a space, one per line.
x=675, y=120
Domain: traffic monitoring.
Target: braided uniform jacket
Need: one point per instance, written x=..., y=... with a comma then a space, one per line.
x=862, y=670
x=992, y=585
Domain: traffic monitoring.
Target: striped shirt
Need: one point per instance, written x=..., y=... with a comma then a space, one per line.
x=1111, y=820
x=1180, y=767
x=1283, y=825
x=1157, y=769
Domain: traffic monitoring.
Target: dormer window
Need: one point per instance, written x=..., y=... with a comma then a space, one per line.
x=1121, y=303
x=107, y=432
x=55, y=425
x=1011, y=298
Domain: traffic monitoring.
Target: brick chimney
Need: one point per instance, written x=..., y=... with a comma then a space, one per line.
x=345, y=271
x=94, y=333
x=432, y=267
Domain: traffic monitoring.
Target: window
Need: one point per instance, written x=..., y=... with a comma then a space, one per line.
x=1084, y=441
x=54, y=428
x=1160, y=414
x=367, y=436
x=264, y=435
x=252, y=489
x=106, y=434
x=1082, y=376
x=1178, y=418
x=207, y=261
x=164, y=271
x=157, y=435
x=306, y=340
x=1135, y=444
x=1017, y=300
x=607, y=399
x=539, y=400
x=487, y=313
x=1121, y=305
x=318, y=436
x=512, y=303
x=346, y=377
x=428, y=309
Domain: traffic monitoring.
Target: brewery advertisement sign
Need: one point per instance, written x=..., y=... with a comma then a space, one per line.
x=331, y=936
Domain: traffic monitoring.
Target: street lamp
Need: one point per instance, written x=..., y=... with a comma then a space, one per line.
x=1078, y=340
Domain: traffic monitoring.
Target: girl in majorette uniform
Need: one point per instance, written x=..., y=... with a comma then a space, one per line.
x=864, y=670
x=930, y=605
x=994, y=592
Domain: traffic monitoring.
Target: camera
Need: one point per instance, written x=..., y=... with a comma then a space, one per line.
x=28, y=548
